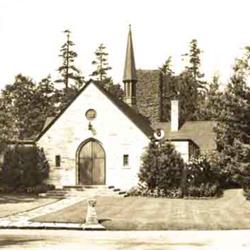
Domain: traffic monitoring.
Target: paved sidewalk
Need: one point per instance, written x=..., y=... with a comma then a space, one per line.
x=22, y=220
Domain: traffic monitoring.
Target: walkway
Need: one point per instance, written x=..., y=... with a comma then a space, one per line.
x=21, y=220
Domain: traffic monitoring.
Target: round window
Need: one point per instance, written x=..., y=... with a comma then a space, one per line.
x=90, y=114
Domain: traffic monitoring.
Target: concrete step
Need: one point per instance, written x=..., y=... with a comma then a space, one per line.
x=70, y=188
x=89, y=190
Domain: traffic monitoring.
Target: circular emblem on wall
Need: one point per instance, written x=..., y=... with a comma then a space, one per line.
x=159, y=134
x=90, y=114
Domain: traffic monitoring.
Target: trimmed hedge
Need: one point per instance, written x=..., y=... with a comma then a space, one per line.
x=23, y=168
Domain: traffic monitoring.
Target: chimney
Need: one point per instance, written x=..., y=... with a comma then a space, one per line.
x=174, y=115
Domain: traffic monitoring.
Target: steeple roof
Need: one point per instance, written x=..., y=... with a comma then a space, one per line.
x=129, y=68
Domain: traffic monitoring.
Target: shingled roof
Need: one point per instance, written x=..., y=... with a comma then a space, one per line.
x=140, y=121
x=200, y=132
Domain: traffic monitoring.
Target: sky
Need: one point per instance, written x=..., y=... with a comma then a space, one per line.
x=31, y=33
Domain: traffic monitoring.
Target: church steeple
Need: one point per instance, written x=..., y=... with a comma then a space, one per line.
x=129, y=76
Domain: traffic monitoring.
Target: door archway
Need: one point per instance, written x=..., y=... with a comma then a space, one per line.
x=91, y=163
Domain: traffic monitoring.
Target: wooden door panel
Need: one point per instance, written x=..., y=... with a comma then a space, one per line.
x=86, y=151
x=92, y=164
x=98, y=151
x=85, y=167
x=98, y=171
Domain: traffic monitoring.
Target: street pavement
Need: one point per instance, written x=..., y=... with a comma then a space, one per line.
x=119, y=240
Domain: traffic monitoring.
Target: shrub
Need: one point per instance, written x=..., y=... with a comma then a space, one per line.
x=202, y=178
x=24, y=167
x=164, y=174
x=161, y=169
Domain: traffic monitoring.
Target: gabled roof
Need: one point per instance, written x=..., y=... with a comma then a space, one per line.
x=200, y=132
x=140, y=121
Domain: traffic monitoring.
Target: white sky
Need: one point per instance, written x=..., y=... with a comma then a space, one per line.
x=31, y=33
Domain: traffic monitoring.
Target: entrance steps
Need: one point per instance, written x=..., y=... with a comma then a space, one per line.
x=87, y=190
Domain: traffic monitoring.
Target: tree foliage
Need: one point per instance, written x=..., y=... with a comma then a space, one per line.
x=188, y=86
x=161, y=167
x=100, y=74
x=17, y=101
x=25, y=106
x=68, y=70
x=210, y=105
x=24, y=167
x=233, y=131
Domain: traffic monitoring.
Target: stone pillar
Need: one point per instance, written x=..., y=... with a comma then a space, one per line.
x=91, y=217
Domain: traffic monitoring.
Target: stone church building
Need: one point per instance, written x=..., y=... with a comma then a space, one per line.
x=99, y=140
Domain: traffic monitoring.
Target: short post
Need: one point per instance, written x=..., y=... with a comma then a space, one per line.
x=91, y=217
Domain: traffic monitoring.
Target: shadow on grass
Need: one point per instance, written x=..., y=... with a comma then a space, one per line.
x=18, y=198
x=156, y=245
x=16, y=242
x=102, y=220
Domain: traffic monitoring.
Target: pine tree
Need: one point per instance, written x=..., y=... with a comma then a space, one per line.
x=233, y=133
x=210, y=105
x=188, y=86
x=166, y=68
x=169, y=89
x=68, y=70
x=195, y=63
x=100, y=74
x=191, y=82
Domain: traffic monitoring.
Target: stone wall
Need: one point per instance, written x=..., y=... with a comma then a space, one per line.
x=118, y=135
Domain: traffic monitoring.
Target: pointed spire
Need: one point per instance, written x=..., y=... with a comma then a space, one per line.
x=129, y=69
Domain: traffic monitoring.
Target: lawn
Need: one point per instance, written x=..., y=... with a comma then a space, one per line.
x=231, y=211
x=16, y=203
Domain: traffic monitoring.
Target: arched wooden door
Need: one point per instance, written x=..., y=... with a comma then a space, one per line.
x=91, y=164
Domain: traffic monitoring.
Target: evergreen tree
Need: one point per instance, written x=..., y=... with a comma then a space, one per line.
x=188, y=86
x=68, y=70
x=45, y=103
x=233, y=133
x=100, y=74
x=166, y=68
x=194, y=63
x=191, y=82
x=210, y=106
x=162, y=167
x=168, y=88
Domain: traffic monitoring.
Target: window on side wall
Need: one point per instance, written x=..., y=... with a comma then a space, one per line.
x=125, y=160
x=58, y=160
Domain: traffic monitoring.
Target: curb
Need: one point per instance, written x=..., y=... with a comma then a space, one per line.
x=59, y=226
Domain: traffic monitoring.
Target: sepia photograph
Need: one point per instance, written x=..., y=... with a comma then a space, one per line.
x=124, y=124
